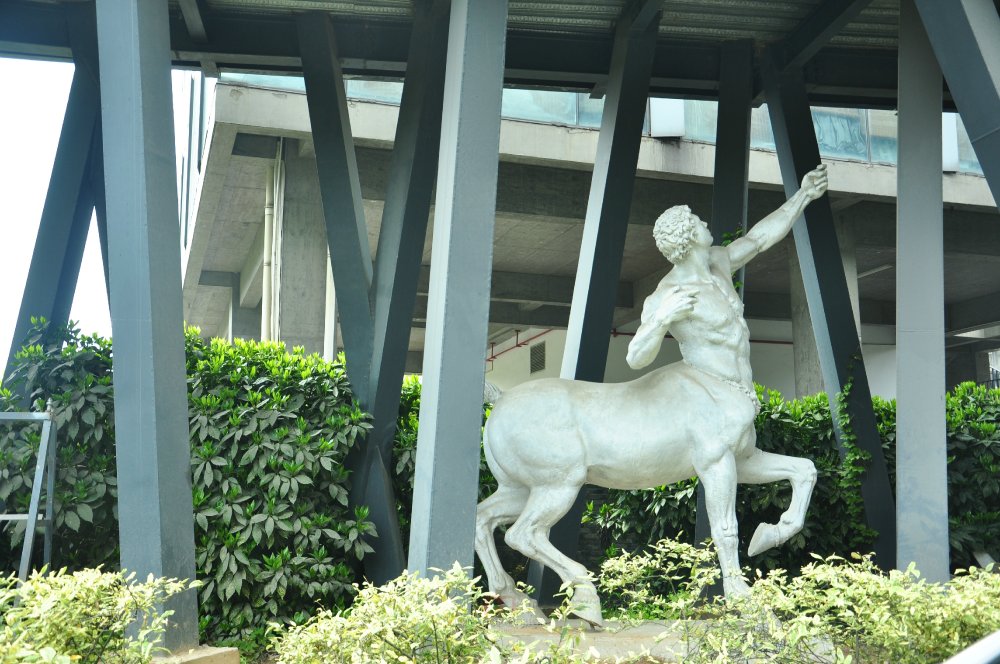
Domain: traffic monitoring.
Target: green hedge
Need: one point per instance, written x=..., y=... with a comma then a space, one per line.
x=269, y=433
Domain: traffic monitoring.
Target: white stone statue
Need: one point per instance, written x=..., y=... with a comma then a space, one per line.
x=547, y=438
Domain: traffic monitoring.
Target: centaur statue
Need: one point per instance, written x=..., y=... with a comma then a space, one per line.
x=547, y=438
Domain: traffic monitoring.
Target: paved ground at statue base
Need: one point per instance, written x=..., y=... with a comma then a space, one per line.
x=661, y=641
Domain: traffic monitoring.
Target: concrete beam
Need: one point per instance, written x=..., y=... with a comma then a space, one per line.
x=252, y=273
x=533, y=288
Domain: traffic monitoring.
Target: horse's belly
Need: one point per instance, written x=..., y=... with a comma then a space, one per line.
x=640, y=467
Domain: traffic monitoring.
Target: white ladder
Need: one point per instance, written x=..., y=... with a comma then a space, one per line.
x=45, y=471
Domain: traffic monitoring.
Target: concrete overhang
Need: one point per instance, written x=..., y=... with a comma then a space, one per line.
x=541, y=203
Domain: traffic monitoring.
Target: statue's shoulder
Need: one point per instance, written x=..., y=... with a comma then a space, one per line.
x=718, y=256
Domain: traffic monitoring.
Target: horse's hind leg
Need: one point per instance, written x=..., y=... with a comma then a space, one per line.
x=530, y=535
x=501, y=508
x=762, y=467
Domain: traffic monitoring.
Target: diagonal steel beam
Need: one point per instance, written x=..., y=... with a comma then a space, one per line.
x=193, y=19
x=815, y=31
x=965, y=36
x=830, y=306
x=62, y=231
x=340, y=189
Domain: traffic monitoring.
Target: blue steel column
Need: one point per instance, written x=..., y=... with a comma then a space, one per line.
x=921, y=464
x=595, y=291
x=829, y=301
x=412, y=172
x=447, y=464
x=62, y=231
x=732, y=174
x=156, y=522
x=965, y=35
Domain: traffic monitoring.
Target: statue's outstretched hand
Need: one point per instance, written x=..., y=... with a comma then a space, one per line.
x=678, y=304
x=815, y=183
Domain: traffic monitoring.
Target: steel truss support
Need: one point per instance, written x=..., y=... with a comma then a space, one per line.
x=829, y=301
x=447, y=464
x=965, y=35
x=156, y=516
x=376, y=304
x=605, y=225
x=65, y=222
x=732, y=173
x=921, y=463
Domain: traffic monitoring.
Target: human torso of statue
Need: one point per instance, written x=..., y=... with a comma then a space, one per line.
x=714, y=337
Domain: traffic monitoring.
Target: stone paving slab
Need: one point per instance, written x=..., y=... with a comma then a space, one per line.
x=660, y=641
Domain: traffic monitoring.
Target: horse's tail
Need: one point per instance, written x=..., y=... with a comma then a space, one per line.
x=491, y=392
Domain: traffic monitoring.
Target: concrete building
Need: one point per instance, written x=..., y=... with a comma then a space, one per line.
x=455, y=56
x=256, y=126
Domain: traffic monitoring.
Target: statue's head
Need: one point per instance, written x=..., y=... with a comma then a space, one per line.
x=674, y=232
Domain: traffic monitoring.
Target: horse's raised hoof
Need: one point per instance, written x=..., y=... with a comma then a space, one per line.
x=765, y=537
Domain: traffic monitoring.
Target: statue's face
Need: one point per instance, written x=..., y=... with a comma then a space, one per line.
x=701, y=235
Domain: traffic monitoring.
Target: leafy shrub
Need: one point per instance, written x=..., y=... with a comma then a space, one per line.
x=269, y=433
x=834, y=611
x=638, y=585
x=409, y=619
x=82, y=617
x=447, y=619
x=404, y=453
x=73, y=372
x=840, y=611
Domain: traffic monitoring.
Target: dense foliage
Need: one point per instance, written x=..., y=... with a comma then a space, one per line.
x=833, y=610
x=404, y=453
x=269, y=433
x=82, y=618
x=414, y=620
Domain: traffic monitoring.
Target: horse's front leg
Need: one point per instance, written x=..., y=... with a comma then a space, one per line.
x=762, y=467
x=719, y=479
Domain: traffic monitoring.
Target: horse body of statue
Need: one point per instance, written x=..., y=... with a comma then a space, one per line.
x=547, y=438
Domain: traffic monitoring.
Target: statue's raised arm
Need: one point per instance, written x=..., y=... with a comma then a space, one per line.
x=772, y=228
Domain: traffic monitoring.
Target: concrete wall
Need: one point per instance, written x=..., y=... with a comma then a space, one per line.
x=770, y=357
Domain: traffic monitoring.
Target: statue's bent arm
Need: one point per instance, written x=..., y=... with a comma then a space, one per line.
x=771, y=229
x=673, y=303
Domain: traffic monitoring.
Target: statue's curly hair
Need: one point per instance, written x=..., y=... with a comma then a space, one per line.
x=674, y=232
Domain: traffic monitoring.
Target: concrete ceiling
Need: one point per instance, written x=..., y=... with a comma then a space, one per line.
x=541, y=204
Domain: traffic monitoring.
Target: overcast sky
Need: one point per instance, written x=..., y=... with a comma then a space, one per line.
x=32, y=105
x=34, y=101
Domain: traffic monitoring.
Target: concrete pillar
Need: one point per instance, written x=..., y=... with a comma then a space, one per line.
x=921, y=464
x=447, y=463
x=301, y=255
x=330, y=316
x=808, y=374
x=155, y=512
